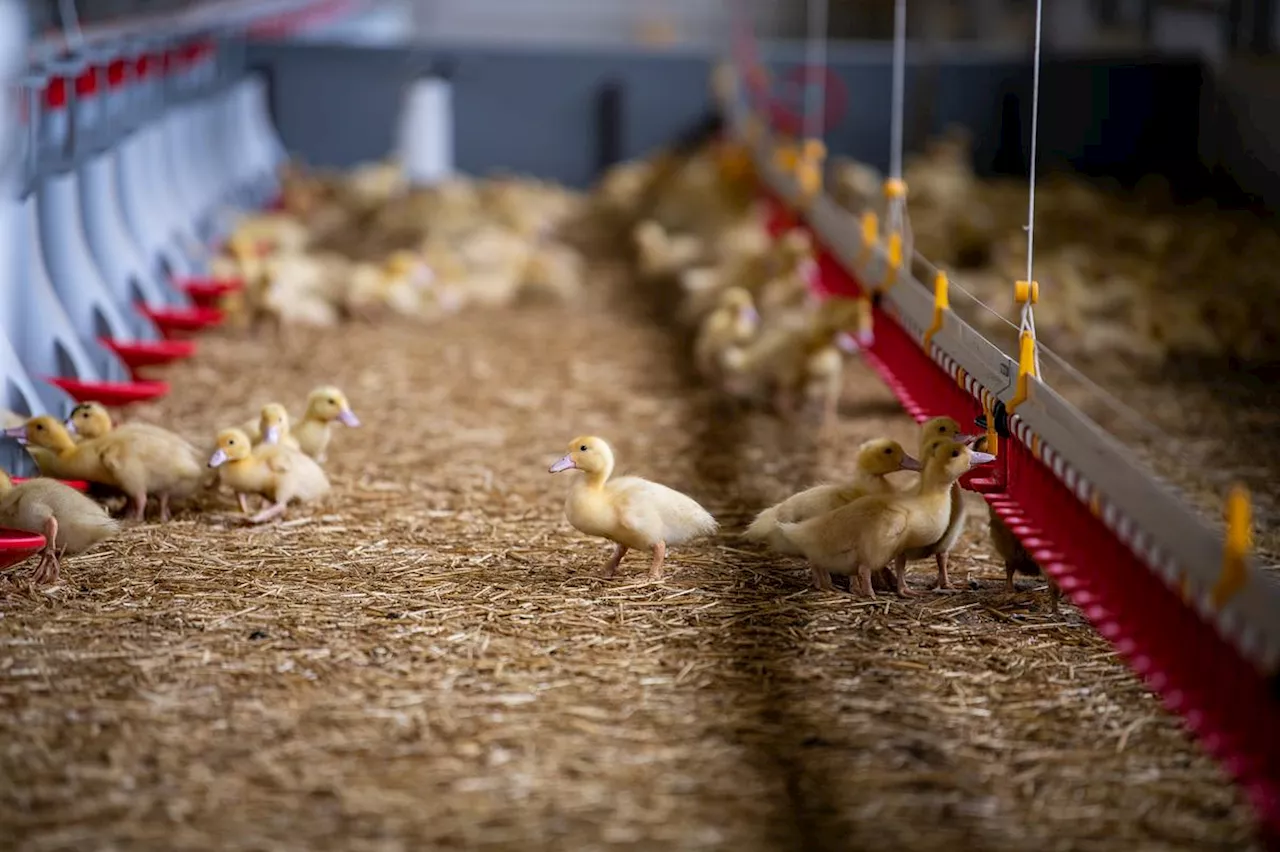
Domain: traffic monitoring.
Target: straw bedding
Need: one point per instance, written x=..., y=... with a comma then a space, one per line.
x=427, y=661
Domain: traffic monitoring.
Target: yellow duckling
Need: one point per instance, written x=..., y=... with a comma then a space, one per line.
x=733, y=323
x=312, y=433
x=1018, y=561
x=631, y=512
x=876, y=459
x=869, y=533
x=92, y=420
x=138, y=462
x=933, y=430
x=70, y=522
x=273, y=426
x=280, y=474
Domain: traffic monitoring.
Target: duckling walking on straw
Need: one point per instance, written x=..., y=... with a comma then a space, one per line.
x=869, y=533
x=631, y=512
x=280, y=474
x=70, y=522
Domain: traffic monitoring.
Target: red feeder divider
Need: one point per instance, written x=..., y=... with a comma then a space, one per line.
x=18, y=545
x=173, y=322
x=206, y=292
x=111, y=394
x=77, y=484
x=137, y=354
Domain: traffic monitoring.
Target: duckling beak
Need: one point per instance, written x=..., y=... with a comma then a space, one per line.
x=70, y=423
x=565, y=463
x=909, y=463
x=347, y=417
x=219, y=457
x=976, y=458
x=272, y=435
x=847, y=343
x=749, y=314
x=18, y=432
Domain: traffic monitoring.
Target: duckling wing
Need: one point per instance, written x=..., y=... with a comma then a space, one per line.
x=659, y=513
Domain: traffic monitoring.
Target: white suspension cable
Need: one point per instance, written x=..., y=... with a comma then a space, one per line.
x=1028, y=323
x=815, y=90
x=899, y=87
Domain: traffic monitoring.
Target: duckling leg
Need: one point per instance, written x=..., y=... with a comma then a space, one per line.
x=139, y=502
x=1008, y=577
x=659, y=556
x=243, y=500
x=47, y=570
x=864, y=583
x=164, y=507
x=269, y=513
x=1055, y=594
x=943, y=581
x=900, y=578
x=822, y=579
x=619, y=551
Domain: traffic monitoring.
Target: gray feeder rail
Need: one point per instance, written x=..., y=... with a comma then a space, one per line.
x=1145, y=514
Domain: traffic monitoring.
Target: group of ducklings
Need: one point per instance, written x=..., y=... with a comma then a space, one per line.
x=1133, y=287
x=366, y=246
x=761, y=335
x=267, y=457
x=866, y=528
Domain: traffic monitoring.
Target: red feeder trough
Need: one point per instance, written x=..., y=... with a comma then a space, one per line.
x=206, y=292
x=149, y=353
x=176, y=321
x=77, y=484
x=18, y=545
x=110, y=394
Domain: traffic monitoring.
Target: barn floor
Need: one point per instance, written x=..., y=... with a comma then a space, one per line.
x=427, y=660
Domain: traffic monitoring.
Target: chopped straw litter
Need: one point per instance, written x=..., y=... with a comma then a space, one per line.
x=427, y=659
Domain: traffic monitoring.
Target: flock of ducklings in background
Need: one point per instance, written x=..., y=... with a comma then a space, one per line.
x=1120, y=275
x=761, y=335
x=262, y=458
x=365, y=245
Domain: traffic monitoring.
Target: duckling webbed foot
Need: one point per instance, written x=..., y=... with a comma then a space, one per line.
x=659, y=557
x=139, y=504
x=864, y=583
x=611, y=567
x=900, y=578
x=268, y=514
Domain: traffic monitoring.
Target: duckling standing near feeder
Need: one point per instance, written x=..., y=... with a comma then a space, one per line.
x=934, y=430
x=70, y=522
x=876, y=459
x=869, y=533
x=733, y=323
x=280, y=474
x=1018, y=561
x=631, y=512
x=138, y=461
x=273, y=426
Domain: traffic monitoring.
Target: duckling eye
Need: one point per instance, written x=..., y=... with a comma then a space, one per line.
x=583, y=448
x=332, y=401
x=888, y=451
x=39, y=427
x=955, y=454
x=231, y=443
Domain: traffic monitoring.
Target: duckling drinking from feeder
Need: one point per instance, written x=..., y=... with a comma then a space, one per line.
x=70, y=522
x=876, y=459
x=869, y=533
x=732, y=323
x=631, y=512
x=138, y=462
x=280, y=474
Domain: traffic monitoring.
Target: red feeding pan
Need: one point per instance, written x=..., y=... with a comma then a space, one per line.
x=77, y=484
x=149, y=353
x=176, y=321
x=110, y=394
x=17, y=545
x=206, y=292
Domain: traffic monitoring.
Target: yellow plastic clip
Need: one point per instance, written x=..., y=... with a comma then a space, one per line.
x=1236, y=546
x=870, y=236
x=1024, y=290
x=993, y=437
x=941, y=304
x=893, y=260
x=1026, y=369
x=866, y=317
x=895, y=188
x=808, y=169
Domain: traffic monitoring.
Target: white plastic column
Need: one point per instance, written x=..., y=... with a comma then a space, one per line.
x=112, y=247
x=426, y=131
x=75, y=277
x=144, y=198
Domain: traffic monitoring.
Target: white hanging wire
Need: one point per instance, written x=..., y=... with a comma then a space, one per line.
x=1028, y=323
x=70, y=22
x=815, y=75
x=896, y=220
